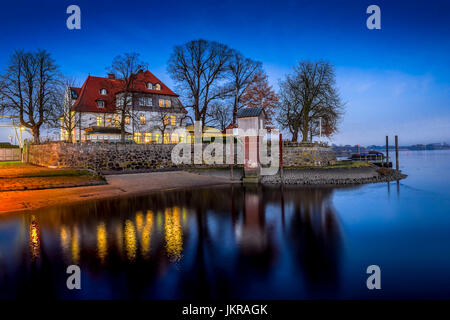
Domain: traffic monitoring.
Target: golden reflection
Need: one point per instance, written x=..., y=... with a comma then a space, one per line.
x=139, y=222
x=35, y=239
x=75, y=246
x=184, y=216
x=159, y=220
x=173, y=234
x=130, y=240
x=146, y=234
x=64, y=234
x=102, y=242
x=119, y=238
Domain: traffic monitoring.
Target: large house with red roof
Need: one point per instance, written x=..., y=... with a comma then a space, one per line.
x=153, y=111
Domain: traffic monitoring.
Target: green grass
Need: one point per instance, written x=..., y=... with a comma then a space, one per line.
x=9, y=163
x=17, y=169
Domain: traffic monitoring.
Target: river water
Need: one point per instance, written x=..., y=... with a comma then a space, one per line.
x=236, y=242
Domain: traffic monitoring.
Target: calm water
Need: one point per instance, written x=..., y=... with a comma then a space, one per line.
x=240, y=242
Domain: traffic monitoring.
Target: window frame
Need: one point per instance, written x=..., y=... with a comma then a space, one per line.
x=102, y=102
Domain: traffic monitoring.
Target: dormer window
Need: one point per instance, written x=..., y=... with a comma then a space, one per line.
x=149, y=86
x=100, y=103
x=103, y=92
x=157, y=86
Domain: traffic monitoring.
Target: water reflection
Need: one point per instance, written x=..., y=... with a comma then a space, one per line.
x=218, y=242
x=35, y=239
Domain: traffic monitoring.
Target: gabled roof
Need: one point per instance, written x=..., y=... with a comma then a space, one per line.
x=89, y=93
x=250, y=112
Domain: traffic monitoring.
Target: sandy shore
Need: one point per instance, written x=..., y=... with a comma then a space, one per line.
x=118, y=186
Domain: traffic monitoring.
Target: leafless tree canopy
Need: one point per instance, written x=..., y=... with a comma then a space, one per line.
x=219, y=115
x=30, y=89
x=242, y=71
x=307, y=95
x=63, y=118
x=125, y=67
x=199, y=68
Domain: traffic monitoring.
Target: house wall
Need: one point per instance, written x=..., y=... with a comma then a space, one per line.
x=255, y=123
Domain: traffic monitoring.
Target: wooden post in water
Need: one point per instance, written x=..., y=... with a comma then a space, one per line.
x=232, y=156
x=387, y=152
x=396, y=154
x=281, y=157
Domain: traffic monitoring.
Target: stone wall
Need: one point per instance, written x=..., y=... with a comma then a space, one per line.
x=132, y=157
x=102, y=156
x=296, y=154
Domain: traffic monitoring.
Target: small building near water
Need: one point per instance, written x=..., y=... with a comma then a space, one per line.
x=251, y=119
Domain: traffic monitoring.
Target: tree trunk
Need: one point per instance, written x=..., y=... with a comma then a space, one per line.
x=235, y=109
x=305, y=130
x=295, y=136
x=36, y=134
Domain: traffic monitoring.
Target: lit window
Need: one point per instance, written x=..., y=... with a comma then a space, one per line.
x=181, y=138
x=138, y=137
x=116, y=120
x=157, y=86
x=166, y=138
x=173, y=120
x=157, y=138
x=100, y=103
x=168, y=103
x=148, y=137
x=149, y=86
x=127, y=120
x=99, y=121
x=103, y=91
x=161, y=102
x=142, y=118
x=166, y=119
x=174, y=137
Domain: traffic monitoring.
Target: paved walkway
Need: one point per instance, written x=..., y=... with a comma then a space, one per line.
x=118, y=185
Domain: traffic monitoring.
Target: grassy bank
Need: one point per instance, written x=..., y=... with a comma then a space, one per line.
x=15, y=176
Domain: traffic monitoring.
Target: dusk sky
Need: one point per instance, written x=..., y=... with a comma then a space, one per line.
x=394, y=81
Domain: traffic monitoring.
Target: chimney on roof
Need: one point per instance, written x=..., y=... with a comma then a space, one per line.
x=111, y=76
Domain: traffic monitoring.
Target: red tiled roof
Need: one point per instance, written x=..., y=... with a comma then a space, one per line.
x=89, y=93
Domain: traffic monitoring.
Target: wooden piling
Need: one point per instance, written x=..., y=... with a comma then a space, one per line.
x=232, y=156
x=281, y=157
x=396, y=154
x=387, y=152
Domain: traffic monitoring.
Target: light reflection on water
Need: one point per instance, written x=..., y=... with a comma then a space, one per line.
x=236, y=242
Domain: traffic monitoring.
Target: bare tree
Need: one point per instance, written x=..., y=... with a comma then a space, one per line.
x=199, y=68
x=307, y=95
x=30, y=88
x=125, y=67
x=62, y=117
x=220, y=114
x=242, y=72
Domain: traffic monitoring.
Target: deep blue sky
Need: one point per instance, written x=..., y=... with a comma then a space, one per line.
x=394, y=81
